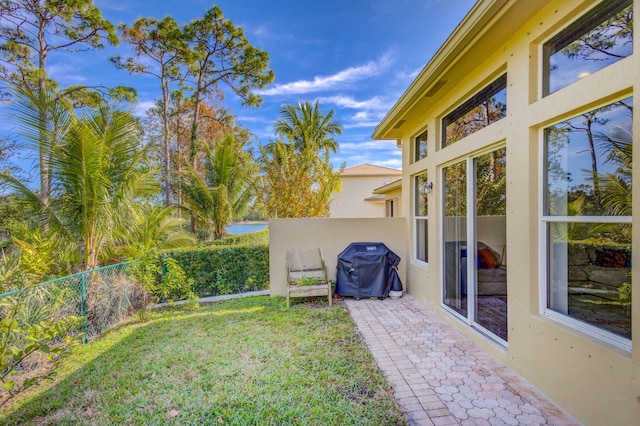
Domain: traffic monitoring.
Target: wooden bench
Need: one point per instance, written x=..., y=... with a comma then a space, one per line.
x=307, y=275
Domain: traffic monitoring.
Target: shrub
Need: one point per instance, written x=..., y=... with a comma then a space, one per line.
x=31, y=348
x=223, y=269
x=252, y=238
x=176, y=285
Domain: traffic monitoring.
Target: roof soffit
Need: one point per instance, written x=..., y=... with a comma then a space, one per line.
x=487, y=26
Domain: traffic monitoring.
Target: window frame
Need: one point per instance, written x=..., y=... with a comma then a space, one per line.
x=421, y=137
x=490, y=90
x=597, y=15
x=423, y=219
x=545, y=219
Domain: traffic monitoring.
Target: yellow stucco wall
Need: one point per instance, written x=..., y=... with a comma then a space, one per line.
x=350, y=202
x=396, y=196
x=596, y=381
x=332, y=236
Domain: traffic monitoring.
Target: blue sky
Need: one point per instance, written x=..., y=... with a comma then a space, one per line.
x=356, y=57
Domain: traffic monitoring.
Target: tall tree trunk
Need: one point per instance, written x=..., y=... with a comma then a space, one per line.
x=492, y=156
x=179, y=167
x=91, y=261
x=194, y=138
x=594, y=161
x=45, y=172
x=167, y=144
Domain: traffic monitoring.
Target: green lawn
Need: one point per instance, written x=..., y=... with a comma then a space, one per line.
x=240, y=362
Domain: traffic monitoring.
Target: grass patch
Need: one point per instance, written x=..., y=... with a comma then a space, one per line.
x=239, y=362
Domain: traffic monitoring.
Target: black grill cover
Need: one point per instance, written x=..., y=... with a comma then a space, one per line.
x=366, y=270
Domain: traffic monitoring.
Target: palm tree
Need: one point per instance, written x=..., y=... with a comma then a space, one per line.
x=158, y=228
x=224, y=190
x=98, y=174
x=306, y=127
x=616, y=187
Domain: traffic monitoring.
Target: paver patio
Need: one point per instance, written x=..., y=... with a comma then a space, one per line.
x=441, y=377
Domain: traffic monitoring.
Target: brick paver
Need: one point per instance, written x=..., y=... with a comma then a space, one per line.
x=441, y=377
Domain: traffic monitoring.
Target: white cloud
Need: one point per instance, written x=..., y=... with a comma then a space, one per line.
x=371, y=111
x=371, y=145
x=251, y=119
x=381, y=153
x=65, y=73
x=352, y=160
x=358, y=124
x=319, y=83
x=141, y=108
x=409, y=76
x=375, y=103
x=394, y=163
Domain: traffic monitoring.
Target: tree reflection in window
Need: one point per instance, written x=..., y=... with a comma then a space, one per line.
x=421, y=214
x=600, y=38
x=420, y=146
x=589, y=163
x=422, y=190
x=483, y=109
x=588, y=211
x=491, y=183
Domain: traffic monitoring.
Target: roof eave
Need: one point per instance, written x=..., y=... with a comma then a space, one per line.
x=388, y=187
x=427, y=81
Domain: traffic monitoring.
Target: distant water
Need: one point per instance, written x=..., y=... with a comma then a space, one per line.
x=245, y=228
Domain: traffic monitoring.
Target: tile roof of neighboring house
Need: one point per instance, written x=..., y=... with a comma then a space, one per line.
x=370, y=170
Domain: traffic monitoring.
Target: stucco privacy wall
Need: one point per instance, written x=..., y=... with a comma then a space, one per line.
x=332, y=236
x=596, y=381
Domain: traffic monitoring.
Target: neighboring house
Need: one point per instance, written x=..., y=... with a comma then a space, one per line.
x=517, y=181
x=357, y=198
x=392, y=193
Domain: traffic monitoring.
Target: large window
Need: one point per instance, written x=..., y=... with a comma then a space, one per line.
x=420, y=147
x=486, y=107
x=600, y=38
x=421, y=190
x=587, y=220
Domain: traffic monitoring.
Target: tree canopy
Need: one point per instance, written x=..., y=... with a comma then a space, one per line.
x=297, y=178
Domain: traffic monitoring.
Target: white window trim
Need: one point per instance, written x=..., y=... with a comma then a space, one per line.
x=565, y=320
x=414, y=147
x=417, y=261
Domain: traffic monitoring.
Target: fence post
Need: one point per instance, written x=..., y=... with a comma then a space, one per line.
x=83, y=306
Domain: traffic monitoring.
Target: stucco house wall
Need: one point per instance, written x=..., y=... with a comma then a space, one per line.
x=356, y=199
x=392, y=193
x=595, y=380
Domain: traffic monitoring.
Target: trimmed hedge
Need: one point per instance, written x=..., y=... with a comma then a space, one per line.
x=227, y=269
x=252, y=238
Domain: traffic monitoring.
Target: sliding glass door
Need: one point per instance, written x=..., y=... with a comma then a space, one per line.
x=455, y=236
x=474, y=241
